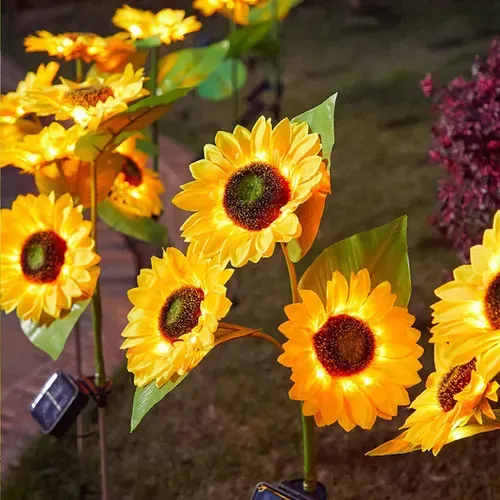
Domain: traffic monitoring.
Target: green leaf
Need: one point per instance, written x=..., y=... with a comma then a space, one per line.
x=146, y=146
x=219, y=85
x=383, y=251
x=51, y=338
x=141, y=228
x=155, y=100
x=245, y=39
x=268, y=10
x=321, y=121
x=189, y=67
x=146, y=397
x=148, y=43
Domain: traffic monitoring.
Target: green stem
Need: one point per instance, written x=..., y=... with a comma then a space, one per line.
x=100, y=373
x=308, y=426
x=234, y=78
x=153, y=76
x=79, y=70
x=277, y=63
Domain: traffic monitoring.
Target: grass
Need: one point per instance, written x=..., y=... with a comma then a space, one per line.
x=230, y=423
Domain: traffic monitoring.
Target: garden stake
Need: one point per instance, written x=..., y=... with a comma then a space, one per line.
x=308, y=426
x=153, y=72
x=234, y=78
x=100, y=373
x=278, y=89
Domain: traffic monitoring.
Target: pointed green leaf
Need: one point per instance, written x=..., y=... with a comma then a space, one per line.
x=321, y=121
x=148, y=43
x=155, y=100
x=141, y=228
x=383, y=251
x=219, y=85
x=190, y=67
x=147, y=397
x=51, y=338
x=245, y=39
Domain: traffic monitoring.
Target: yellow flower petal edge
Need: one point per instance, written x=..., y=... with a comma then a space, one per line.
x=92, y=101
x=47, y=257
x=177, y=306
x=236, y=10
x=137, y=189
x=169, y=25
x=353, y=358
x=467, y=318
x=453, y=397
x=247, y=189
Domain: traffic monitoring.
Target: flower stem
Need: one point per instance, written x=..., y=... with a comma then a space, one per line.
x=277, y=34
x=239, y=332
x=79, y=70
x=100, y=373
x=308, y=426
x=153, y=76
x=234, y=78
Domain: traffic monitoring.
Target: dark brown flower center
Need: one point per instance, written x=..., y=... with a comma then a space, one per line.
x=180, y=313
x=344, y=345
x=452, y=383
x=254, y=196
x=492, y=302
x=87, y=96
x=42, y=256
x=131, y=171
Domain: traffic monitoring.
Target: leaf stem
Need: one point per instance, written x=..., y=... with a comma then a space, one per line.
x=308, y=426
x=153, y=76
x=100, y=373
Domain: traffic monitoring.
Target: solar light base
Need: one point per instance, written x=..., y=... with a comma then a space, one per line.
x=288, y=490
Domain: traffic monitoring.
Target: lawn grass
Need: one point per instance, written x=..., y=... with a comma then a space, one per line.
x=230, y=423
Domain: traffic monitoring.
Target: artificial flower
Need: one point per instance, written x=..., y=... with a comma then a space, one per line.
x=353, y=358
x=136, y=190
x=13, y=105
x=236, y=10
x=47, y=257
x=453, y=396
x=248, y=187
x=168, y=25
x=468, y=315
x=92, y=101
x=36, y=151
x=177, y=306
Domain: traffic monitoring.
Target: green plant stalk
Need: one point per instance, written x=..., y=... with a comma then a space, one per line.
x=100, y=372
x=308, y=425
x=79, y=70
x=277, y=63
x=153, y=77
x=234, y=78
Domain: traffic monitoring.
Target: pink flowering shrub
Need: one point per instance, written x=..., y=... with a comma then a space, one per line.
x=466, y=143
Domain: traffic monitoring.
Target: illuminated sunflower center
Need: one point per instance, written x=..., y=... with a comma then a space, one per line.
x=492, y=302
x=42, y=256
x=131, y=171
x=452, y=383
x=180, y=312
x=254, y=196
x=87, y=96
x=344, y=345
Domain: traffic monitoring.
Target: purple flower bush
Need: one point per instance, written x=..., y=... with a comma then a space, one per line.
x=466, y=143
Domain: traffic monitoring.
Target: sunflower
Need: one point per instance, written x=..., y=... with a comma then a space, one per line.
x=13, y=105
x=168, y=24
x=353, y=357
x=236, y=10
x=248, y=187
x=177, y=306
x=468, y=315
x=93, y=101
x=453, y=396
x=47, y=258
x=136, y=189
x=36, y=151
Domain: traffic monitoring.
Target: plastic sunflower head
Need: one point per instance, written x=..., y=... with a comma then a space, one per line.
x=177, y=306
x=115, y=53
x=168, y=24
x=14, y=105
x=209, y=7
x=48, y=262
x=248, y=187
x=468, y=315
x=353, y=357
x=36, y=151
x=137, y=189
x=92, y=101
x=238, y=10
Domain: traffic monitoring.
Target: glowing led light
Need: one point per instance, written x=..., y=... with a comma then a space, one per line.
x=320, y=373
x=367, y=380
x=67, y=42
x=347, y=385
x=52, y=151
x=163, y=348
x=495, y=263
x=193, y=340
x=79, y=114
x=382, y=351
x=135, y=194
x=135, y=30
x=476, y=308
x=32, y=158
